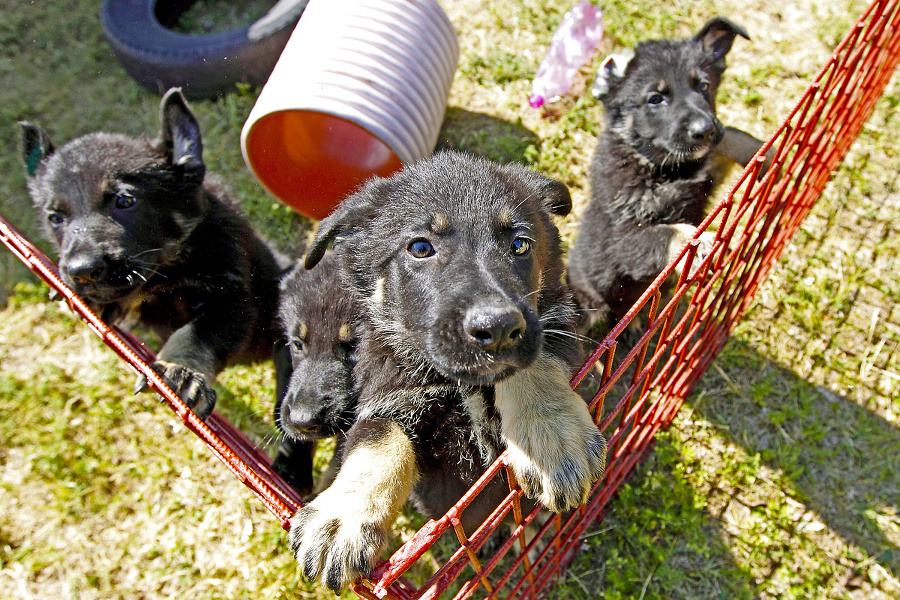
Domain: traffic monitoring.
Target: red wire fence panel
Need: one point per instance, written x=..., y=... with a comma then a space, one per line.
x=640, y=385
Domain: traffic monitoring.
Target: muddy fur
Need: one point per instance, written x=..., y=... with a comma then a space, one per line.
x=465, y=347
x=146, y=238
x=662, y=152
x=319, y=323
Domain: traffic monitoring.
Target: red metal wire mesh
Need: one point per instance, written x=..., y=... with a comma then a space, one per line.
x=641, y=385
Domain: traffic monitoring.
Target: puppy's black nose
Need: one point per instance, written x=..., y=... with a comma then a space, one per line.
x=495, y=327
x=298, y=417
x=701, y=130
x=86, y=270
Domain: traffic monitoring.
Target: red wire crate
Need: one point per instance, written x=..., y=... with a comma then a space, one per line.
x=642, y=385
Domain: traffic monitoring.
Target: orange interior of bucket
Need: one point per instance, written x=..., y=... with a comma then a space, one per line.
x=311, y=161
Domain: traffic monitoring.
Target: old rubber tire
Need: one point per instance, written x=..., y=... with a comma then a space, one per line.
x=205, y=66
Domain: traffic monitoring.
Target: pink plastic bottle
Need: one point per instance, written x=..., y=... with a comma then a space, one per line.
x=572, y=45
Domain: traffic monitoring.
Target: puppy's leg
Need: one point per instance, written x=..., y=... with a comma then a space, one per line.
x=740, y=146
x=293, y=462
x=555, y=450
x=337, y=537
x=189, y=366
x=194, y=353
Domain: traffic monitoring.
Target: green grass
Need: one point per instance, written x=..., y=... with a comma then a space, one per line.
x=778, y=479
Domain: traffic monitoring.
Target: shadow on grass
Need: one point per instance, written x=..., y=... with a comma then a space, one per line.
x=657, y=541
x=485, y=135
x=838, y=459
x=764, y=482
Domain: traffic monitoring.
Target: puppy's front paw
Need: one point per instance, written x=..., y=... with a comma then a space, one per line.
x=683, y=233
x=560, y=475
x=556, y=451
x=707, y=241
x=332, y=543
x=191, y=386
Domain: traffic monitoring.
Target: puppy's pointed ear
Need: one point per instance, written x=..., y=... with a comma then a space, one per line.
x=36, y=146
x=557, y=198
x=180, y=132
x=348, y=215
x=717, y=36
x=610, y=73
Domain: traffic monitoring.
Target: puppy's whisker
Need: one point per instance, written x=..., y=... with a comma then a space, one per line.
x=273, y=437
x=149, y=270
x=570, y=334
x=134, y=256
x=143, y=263
x=527, y=198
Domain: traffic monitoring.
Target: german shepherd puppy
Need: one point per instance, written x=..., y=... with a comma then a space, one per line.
x=655, y=165
x=319, y=321
x=465, y=348
x=145, y=236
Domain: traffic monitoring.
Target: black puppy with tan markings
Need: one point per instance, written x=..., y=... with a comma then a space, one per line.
x=466, y=348
x=658, y=159
x=146, y=237
x=318, y=400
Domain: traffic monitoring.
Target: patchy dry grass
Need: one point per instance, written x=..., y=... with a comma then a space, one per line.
x=779, y=479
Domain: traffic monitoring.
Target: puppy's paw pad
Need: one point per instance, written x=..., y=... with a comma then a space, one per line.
x=331, y=547
x=191, y=386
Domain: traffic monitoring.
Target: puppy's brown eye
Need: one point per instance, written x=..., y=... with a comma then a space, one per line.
x=55, y=218
x=298, y=345
x=420, y=248
x=703, y=86
x=520, y=247
x=125, y=202
x=655, y=98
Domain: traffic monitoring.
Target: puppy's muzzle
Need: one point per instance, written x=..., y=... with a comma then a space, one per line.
x=494, y=327
x=702, y=130
x=302, y=421
x=85, y=270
